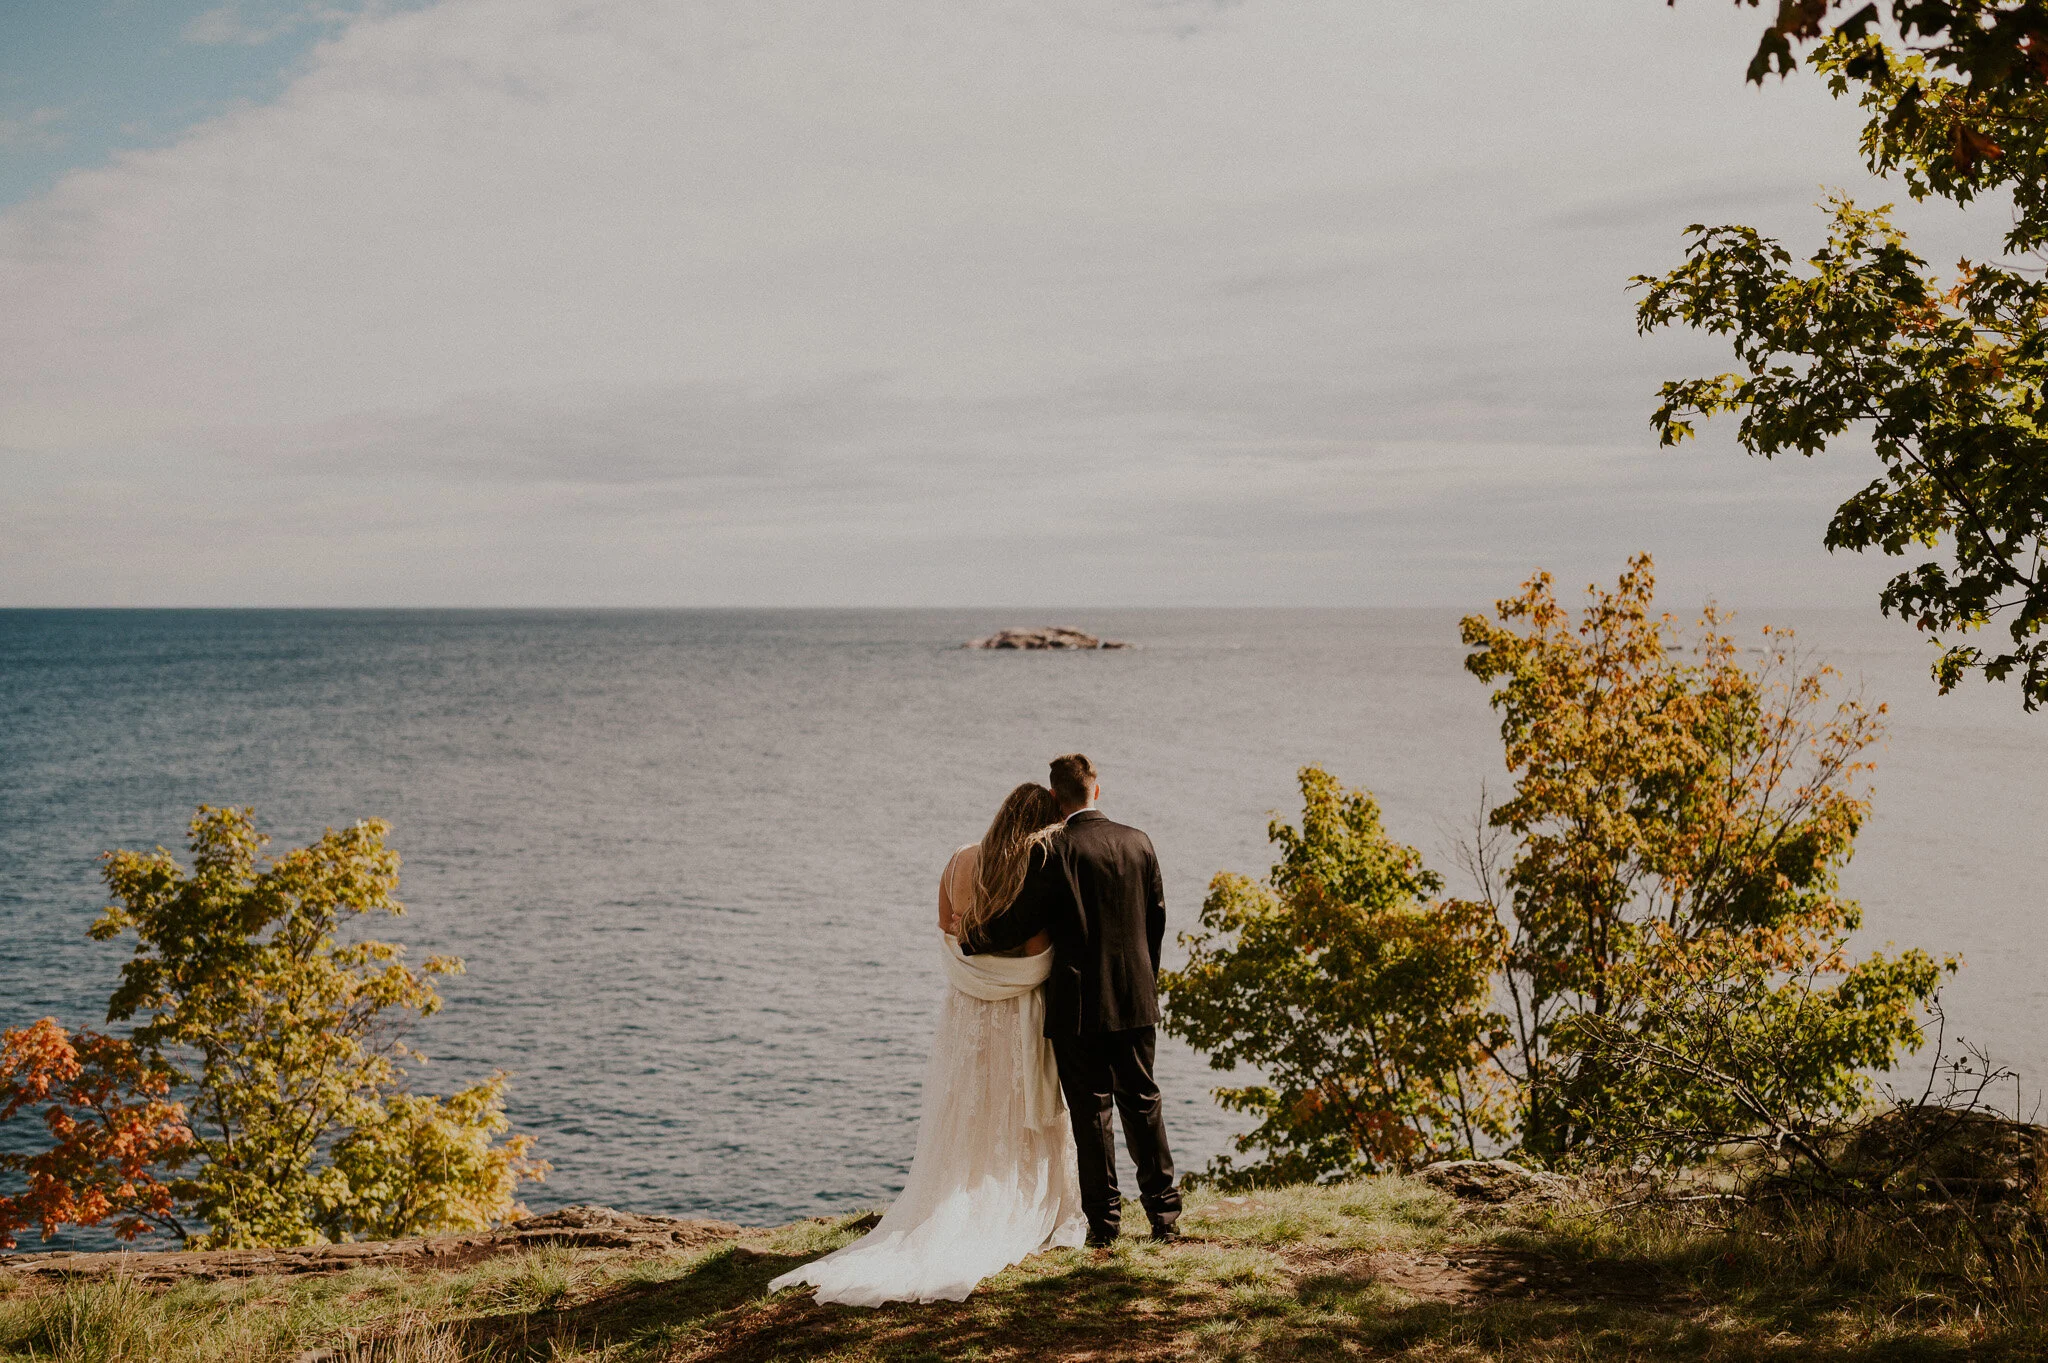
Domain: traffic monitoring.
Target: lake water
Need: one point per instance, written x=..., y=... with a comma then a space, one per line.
x=691, y=857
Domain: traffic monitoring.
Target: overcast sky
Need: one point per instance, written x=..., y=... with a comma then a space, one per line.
x=881, y=302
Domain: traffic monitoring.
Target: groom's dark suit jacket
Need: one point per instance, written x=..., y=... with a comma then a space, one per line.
x=1097, y=891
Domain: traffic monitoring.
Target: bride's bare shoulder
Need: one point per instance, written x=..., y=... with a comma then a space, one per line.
x=958, y=876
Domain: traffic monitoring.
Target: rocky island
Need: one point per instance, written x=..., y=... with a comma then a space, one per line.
x=1049, y=636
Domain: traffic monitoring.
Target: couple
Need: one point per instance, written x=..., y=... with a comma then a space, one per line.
x=1051, y=931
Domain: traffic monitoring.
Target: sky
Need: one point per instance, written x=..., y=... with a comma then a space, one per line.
x=888, y=302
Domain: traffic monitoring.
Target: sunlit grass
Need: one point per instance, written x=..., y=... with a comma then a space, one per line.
x=1369, y=1215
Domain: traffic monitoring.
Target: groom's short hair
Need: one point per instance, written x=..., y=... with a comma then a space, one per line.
x=1073, y=779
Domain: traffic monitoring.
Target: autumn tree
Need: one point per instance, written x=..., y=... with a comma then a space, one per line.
x=1361, y=995
x=1943, y=378
x=290, y=1042
x=1674, y=837
x=114, y=1133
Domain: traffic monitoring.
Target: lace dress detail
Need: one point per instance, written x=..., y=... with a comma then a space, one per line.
x=994, y=1178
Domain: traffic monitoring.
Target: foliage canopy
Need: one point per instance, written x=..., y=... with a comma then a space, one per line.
x=1945, y=378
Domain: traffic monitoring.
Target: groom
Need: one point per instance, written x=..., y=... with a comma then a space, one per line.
x=1099, y=894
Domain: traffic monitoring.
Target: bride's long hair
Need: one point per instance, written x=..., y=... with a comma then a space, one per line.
x=1029, y=817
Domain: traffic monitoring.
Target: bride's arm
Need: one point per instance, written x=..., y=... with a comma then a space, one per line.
x=945, y=906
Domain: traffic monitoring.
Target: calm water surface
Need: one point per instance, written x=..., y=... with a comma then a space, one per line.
x=691, y=857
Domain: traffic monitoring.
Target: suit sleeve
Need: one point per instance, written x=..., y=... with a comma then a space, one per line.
x=1155, y=905
x=1010, y=928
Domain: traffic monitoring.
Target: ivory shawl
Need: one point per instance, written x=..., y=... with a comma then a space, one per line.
x=994, y=979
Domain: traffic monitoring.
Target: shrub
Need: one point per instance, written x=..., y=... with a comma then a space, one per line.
x=1361, y=997
x=286, y=1042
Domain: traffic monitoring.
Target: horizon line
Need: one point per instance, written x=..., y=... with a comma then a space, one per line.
x=622, y=609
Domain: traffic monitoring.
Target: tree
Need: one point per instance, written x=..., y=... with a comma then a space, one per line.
x=1680, y=821
x=105, y=1106
x=1362, y=998
x=1657, y=962
x=291, y=1042
x=1945, y=378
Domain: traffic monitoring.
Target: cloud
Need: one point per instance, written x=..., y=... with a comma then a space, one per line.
x=791, y=300
x=36, y=130
x=254, y=25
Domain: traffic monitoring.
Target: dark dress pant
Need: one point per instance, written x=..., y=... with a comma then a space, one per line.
x=1115, y=1069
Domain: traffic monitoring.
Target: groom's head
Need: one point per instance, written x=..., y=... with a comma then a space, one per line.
x=1073, y=782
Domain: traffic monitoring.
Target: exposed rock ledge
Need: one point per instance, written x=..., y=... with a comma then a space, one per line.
x=1496, y=1181
x=582, y=1227
x=1051, y=636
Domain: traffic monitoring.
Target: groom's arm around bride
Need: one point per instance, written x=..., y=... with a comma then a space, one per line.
x=1096, y=888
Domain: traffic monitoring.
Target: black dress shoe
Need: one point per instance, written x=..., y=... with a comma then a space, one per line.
x=1099, y=1238
x=1166, y=1232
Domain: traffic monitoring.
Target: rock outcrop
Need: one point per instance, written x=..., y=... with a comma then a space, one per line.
x=1050, y=636
x=1496, y=1181
x=588, y=1227
x=581, y=1227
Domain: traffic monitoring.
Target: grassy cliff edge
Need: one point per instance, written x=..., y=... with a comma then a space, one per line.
x=1386, y=1268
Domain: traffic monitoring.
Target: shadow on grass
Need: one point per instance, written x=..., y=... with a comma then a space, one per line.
x=1642, y=1329
x=1105, y=1309
x=1139, y=1308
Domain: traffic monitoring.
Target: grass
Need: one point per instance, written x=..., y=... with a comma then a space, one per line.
x=1383, y=1269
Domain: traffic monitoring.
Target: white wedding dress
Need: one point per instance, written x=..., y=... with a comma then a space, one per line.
x=994, y=1177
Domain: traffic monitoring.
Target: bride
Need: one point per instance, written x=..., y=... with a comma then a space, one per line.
x=994, y=1178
